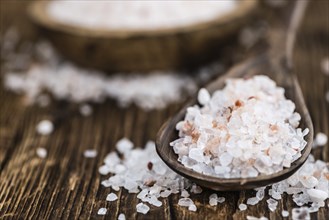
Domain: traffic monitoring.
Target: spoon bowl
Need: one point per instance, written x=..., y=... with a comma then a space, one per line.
x=255, y=66
x=275, y=63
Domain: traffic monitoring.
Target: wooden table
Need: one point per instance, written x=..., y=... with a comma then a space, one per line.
x=67, y=185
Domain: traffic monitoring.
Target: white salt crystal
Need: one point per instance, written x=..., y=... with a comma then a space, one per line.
x=185, y=194
x=252, y=201
x=85, y=110
x=185, y=202
x=104, y=170
x=196, y=154
x=255, y=218
x=111, y=197
x=142, y=208
x=213, y=202
x=242, y=207
x=139, y=15
x=102, y=211
x=285, y=213
x=317, y=195
x=45, y=127
x=321, y=139
x=221, y=199
x=43, y=100
x=325, y=65
x=41, y=152
x=300, y=213
x=196, y=189
x=154, y=201
x=165, y=193
x=272, y=204
x=192, y=208
x=124, y=145
x=203, y=96
x=90, y=153
x=121, y=216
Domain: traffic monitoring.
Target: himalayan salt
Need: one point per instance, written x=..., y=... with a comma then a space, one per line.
x=136, y=15
x=245, y=130
x=45, y=127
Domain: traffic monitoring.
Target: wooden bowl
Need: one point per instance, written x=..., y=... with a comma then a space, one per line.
x=128, y=50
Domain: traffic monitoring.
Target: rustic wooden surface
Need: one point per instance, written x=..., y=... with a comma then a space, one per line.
x=67, y=185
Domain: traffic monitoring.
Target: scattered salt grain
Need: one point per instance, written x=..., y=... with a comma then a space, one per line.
x=142, y=208
x=272, y=204
x=236, y=132
x=321, y=139
x=242, y=207
x=192, y=208
x=327, y=96
x=102, y=211
x=90, y=153
x=42, y=152
x=203, y=96
x=255, y=218
x=285, y=213
x=325, y=65
x=252, y=201
x=121, y=216
x=45, y=127
x=85, y=110
x=145, y=15
x=213, y=199
x=111, y=197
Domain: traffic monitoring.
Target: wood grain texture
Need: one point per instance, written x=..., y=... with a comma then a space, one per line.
x=66, y=185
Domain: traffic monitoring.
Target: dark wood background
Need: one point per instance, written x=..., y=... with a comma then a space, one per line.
x=67, y=185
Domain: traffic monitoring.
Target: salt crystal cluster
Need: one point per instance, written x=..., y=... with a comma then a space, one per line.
x=308, y=186
x=245, y=130
x=141, y=171
x=135, y=15
x=65, y=81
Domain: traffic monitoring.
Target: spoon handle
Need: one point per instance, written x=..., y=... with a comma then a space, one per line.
x=282, y=37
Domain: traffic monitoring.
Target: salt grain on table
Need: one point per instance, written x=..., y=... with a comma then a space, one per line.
x=285, y=213
x=321, y=139
x=236, y=132
x=42, y=152
x=121, y=216
x=102, y=211
x=45, y=127
x=242, y=207
x=111, y=197
x=90, y=153
x=85, y=110
x=142, y=208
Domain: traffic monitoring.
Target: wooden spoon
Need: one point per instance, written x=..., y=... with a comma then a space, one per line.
x=276, y=63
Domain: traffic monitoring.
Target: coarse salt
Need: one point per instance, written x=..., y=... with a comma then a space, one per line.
x=45, y=127
x=111, y=197
x=142, y=208
x=121, y=216
x=242, y=207
x=90, y=153
x=245, y=130
x=145, y=15
x=42, y=152
x=102, y=211
x=85, y=110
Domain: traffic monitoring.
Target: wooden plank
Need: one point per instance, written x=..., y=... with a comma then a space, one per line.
x=67, y=185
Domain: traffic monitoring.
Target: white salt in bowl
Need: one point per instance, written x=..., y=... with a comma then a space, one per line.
x=142, y=50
